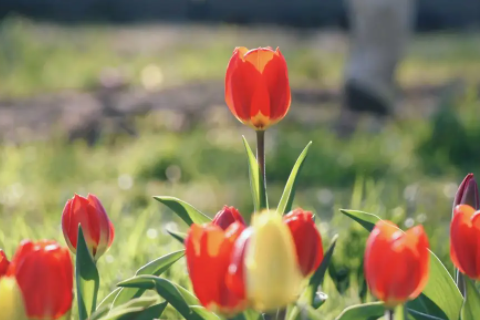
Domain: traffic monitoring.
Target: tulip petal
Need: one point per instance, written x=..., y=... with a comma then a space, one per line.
x=463, y=241
x=276, y=76
x=259, y=57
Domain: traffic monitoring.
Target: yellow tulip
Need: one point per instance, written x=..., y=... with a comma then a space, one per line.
x=11, y=301
x=273, y=278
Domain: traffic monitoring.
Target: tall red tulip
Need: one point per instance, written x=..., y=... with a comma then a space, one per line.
x=228, y=215
x=96, y=226
x=257, y=89
x=396, y=262
x=308, y=242
x=4, y=263
x=44, y=273
x=465, y=240
x=208, y=249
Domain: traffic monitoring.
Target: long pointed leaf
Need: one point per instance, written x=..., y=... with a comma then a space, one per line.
x=441, y=289
x=471, y=306
x=367, y=311
x=155, y=267
x=179, y=236
x=184, y=210
x=175, y=295
x=87, y=278
x=286, y=201
x=256, y=180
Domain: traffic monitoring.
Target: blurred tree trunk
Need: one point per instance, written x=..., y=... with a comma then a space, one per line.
x=380, y=31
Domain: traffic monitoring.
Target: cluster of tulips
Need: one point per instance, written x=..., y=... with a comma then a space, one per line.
x=270, y=269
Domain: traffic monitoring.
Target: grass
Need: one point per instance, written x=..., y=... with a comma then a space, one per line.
x=407, y=172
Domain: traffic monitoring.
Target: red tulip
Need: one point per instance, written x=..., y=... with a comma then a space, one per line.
x=465, y=240
x=4, y=263
x=468, y=193
x=208, y=251
x=257, y=89
x=396, y=262
x=225, y=217
x=308, y=242
x=96, y=226
x=236, y=271
x=44, y=273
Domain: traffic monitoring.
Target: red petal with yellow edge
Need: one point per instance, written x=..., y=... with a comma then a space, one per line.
x=259, y=57
x=276, y=77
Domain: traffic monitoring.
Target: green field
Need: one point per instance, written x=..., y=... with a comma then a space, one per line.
x=406, y=170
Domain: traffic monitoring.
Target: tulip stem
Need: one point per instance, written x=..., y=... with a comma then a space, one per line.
x=389, y=314
x=261, y=166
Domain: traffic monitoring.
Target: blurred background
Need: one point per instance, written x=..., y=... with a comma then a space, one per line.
x=124, y=99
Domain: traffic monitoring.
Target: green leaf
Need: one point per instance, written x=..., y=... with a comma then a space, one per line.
x=256, y=180
x=109, y=299
x=416, y=315
x=145, y=308
x=177, y=296
x=286, y=202
x=179, y=236
x=308, y=312
x=87, y=278
x=367, y=311
x=319, y=274
x=185, y=211
x=471, y=306
x=155, y=267
x=204, y=313
x=252, y=315
x=441, y=297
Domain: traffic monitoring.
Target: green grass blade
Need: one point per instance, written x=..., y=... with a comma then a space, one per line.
x=87, y=278
x=441, y=291
x=179, y=236
x=155, y=267
x=286, y=201
x=185, y=211
x=256, y=180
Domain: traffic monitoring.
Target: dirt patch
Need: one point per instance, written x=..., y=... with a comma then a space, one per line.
x=85, y=114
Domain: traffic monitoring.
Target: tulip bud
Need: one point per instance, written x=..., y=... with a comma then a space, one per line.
x=273, y=278
x=257, y=90
x=225, y=217
x=468, y=193
x=208, y=249
x=44, y=273
x=11, y=301
x=96, y=226
x=396, y=263
x=464, y=240
x=308, y=242
x=4, y=263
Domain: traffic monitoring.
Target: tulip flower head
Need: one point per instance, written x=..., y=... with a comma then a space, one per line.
x=4, y=263
x=257, y=90
x=44, y=273
x=308, y=242
x=396, y=263
x=465, y=240
x=11, y=300
x=96, y=226
x=225, y=217
x=468, y=193
x=273, y=277
x=208, y=249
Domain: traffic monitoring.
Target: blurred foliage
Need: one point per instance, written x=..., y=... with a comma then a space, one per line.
x=407, y=171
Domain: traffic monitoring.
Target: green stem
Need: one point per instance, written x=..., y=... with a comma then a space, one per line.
x=261, y=166
x=389, y=314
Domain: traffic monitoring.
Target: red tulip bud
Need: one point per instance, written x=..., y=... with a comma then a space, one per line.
x=468, y=193
x=96, y=226
x=257, y=89
x=396, y=263
x=225, y=217
x=308, y=242
x=4, y=263
x=208, y=249
x=44, y=273
x=465, y=239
